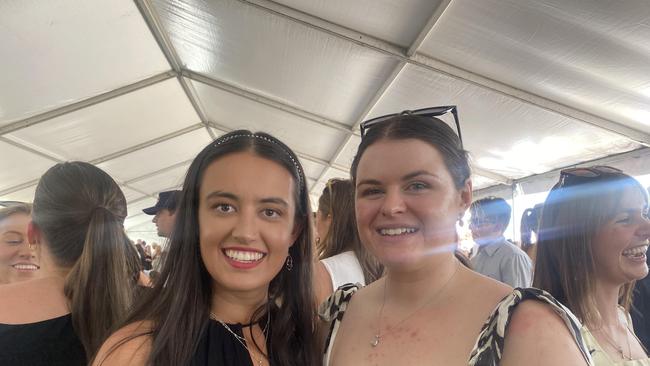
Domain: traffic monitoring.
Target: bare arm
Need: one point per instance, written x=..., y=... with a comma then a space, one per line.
x=322, y=283
x=536, y=336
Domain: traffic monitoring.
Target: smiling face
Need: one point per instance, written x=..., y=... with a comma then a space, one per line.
x=246, y=221
x=17, y=261
x=620, y=244
x=406, y=202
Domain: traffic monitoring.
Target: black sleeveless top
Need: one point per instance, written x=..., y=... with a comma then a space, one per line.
x=50, y=342
x=218, y=346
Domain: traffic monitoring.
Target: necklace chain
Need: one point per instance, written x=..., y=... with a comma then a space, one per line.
x=242, y=340
x=618, y=348
x=379, y=335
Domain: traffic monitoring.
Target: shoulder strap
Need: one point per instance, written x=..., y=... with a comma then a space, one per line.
x=488, y=349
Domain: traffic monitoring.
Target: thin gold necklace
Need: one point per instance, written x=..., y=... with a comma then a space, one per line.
x=242, y=340
x=377, y=337
x=618, y=348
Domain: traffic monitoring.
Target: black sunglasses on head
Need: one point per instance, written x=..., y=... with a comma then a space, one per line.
x=586, y=173
x=424, y=112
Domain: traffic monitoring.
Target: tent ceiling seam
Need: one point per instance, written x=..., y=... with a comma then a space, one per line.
x=433, y=19
x=166, y=46
x=104, y=158
x=88, y=102
x=636, y=153
x=438, y=66
x=236, y=90
x=300, y=154
x=431, y=23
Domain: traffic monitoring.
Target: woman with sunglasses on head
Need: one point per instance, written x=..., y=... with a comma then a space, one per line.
x=18, y=258
x=89, y=271
x=412, y=181
x=593, y=239
x=235, y=289
x=342, y=257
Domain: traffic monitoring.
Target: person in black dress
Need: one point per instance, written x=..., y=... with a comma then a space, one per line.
x=88, y=270
x=235, y=289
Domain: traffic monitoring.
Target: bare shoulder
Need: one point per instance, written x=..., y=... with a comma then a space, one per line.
x=485, y=288
x=536, y=330
x=32, y=301
x=129, y=345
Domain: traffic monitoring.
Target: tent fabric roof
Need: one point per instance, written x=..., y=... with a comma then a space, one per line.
x=138, y=88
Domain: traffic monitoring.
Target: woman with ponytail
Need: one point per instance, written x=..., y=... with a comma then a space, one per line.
x=89, y=271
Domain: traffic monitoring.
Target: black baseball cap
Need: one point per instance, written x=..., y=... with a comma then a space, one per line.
x=166, y=199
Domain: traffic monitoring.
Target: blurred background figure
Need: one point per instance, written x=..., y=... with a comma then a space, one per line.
x=641, y=308
x=497, y=257
x=19, y=260
x=530, y=230
x=156, y=256
x=342, y=257
x=61, y=318
x=593, y=239
x=164, y=212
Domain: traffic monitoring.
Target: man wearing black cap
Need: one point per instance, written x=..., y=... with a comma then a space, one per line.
x=165, y=212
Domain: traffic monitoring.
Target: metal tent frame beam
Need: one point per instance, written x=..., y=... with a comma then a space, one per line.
x=437, y=66
x=415, y=45
x=42, y=117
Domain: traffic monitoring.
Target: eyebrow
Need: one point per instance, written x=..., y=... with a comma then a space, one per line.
x=406, y=177
x=221, y=194
x=13, y=232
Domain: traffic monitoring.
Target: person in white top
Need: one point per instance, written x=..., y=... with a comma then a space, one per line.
x=342, y=258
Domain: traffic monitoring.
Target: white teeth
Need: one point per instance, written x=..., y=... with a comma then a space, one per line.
x=243, y=256
x=396, y=231
x=25, y=267
x=636, y=251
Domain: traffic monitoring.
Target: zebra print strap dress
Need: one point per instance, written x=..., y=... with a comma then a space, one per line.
x=489, y=346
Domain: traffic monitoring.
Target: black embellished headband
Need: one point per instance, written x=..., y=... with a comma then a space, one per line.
x=273, y=141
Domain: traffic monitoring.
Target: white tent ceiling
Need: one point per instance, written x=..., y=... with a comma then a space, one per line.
x=140, y=87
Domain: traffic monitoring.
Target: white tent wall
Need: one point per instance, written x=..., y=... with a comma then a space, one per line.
x=139, y=87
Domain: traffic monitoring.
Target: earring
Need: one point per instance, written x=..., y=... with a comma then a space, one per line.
x=31, y=245
x=461, y=223
x=318, y=240
x=289, y=262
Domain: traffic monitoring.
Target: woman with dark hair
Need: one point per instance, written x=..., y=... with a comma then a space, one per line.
x=593, y=239
x=342, y=257
x=529, y=226
x=236, y=286
x=18, y=259
x=413, y=185
x=89, y=267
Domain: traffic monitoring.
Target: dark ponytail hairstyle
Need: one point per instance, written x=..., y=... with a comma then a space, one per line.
x=178, y=307
x=80, y=211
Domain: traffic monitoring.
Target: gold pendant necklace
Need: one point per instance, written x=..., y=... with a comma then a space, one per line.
x=618, y=348
x=377, y=337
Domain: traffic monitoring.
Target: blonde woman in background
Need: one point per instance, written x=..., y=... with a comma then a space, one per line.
x=18, y=259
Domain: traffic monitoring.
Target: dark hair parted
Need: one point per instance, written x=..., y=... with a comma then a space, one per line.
x=570, y=219
x=178, y=307
x=80, y=211
x=431, y=130
x=337, y=202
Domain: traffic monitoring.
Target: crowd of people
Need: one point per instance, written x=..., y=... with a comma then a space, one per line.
x=250, y=276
